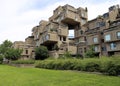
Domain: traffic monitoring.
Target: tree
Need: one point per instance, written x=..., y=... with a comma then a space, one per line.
x=13, y=54
x=41, y=53
x=5, y=46
x=90, y=53
x=8, y=52
x=1, y=58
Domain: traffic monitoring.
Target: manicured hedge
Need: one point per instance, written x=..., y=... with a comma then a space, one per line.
x=110, y=66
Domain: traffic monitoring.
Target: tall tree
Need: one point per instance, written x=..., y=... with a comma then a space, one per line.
x=8, y=52
x=5, y=46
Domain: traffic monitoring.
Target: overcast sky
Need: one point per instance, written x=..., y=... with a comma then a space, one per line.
x=17, y=17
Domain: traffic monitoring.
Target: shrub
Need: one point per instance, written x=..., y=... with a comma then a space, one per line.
x=113, y=68
x=78, y=66
x=67, y=65
x=104, y=65
x=41, y=53
x=92, y=67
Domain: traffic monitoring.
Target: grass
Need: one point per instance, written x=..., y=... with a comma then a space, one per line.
x=12, y=76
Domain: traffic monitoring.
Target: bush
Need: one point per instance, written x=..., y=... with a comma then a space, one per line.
x=41, y=53
x=78, y=66
x=107, y=66
x=92, y=67
x=113, y=68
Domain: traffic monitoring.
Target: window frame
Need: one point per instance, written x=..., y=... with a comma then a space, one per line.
x=109, y=37
x=113, y=46
x=26, y=51
x=95, y=40
x=118, y=36
x=97, y=24
x=47, y=37
x=83, y=21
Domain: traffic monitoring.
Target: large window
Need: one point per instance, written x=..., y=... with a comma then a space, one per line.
x=112, y=46
x=118, y=35
x=107, y=37
x=95, y=40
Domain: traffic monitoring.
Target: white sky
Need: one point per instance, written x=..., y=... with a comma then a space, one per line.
x=18, y=17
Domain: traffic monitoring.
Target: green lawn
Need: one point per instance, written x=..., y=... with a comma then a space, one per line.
x=12, y=76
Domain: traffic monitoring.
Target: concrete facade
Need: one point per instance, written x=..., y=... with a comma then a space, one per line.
x=27, y=47
x=102, y=32
x=54, y=33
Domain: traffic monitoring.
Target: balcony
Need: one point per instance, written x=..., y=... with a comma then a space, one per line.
x=93, y=40
x=113, y=46
x=112, y=38
x=70, y=17
x=63, y=31
x=50, y=38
